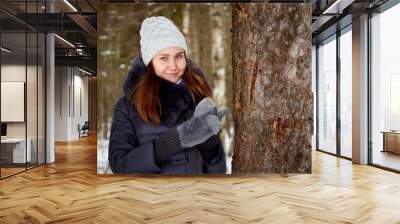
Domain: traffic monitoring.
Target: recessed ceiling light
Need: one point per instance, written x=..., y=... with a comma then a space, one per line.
x=86, y=72
x=338, y=6
x=64, y=40
x=5, y=49
x=70, y=5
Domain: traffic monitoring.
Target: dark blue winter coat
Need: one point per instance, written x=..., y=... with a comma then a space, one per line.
x=131, y=147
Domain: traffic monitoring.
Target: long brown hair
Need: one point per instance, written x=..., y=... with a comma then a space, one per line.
x=146, y=94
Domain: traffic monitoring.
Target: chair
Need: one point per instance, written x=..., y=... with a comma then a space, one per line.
x=84, y=130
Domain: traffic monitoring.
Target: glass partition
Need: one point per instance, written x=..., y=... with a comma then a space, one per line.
x=31, y=98
x=385, y=89
x=22, y=89
x=41, y=85
x=346, y=93
x=13, y=95
x=327, y=95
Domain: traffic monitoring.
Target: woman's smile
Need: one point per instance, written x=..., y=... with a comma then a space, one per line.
x=170, y=63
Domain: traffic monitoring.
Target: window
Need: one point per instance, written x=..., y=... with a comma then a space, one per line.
x=327, y=95
x=385, y=88
x=346, y=92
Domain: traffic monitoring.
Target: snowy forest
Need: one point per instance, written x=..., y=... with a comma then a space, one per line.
x=257, y=58
x=207, y=29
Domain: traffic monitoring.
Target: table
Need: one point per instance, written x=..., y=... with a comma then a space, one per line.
x=391, y=141
x=13, y=150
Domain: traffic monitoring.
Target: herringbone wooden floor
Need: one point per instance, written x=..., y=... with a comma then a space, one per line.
x=70, y=191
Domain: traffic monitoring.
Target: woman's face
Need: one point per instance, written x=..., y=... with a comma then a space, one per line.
x=170, y=63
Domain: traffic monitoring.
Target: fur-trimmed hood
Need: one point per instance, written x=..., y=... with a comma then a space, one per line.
x=136, y=73
x=175, y=98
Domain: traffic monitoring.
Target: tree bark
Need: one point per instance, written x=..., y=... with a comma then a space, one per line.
x=199, y=38
x=272, y=97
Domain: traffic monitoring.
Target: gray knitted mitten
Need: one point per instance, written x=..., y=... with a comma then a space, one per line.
x=207, y=106
x=201, y=126
x=194, y=131
x=207, y=148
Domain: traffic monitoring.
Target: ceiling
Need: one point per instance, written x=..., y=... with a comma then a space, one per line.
x=74, y=21
x=331, y=15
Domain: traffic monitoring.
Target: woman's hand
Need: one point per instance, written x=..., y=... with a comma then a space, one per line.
x=207, y=107
x=198, y=129
x=205, y=123
x=208, y=148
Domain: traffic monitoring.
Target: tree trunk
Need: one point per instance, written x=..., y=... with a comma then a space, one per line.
x=199, y=38
x=272, y=98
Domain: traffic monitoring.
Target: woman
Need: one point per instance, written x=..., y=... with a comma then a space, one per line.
x=166, y=121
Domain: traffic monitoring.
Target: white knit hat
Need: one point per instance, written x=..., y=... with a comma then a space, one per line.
x=158, y=33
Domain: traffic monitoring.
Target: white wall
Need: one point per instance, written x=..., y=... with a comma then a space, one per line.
x=71, y=94
x=80, y=100
x=12, y=101
x=33, y=126
x=13, y=73
x=61, y=103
